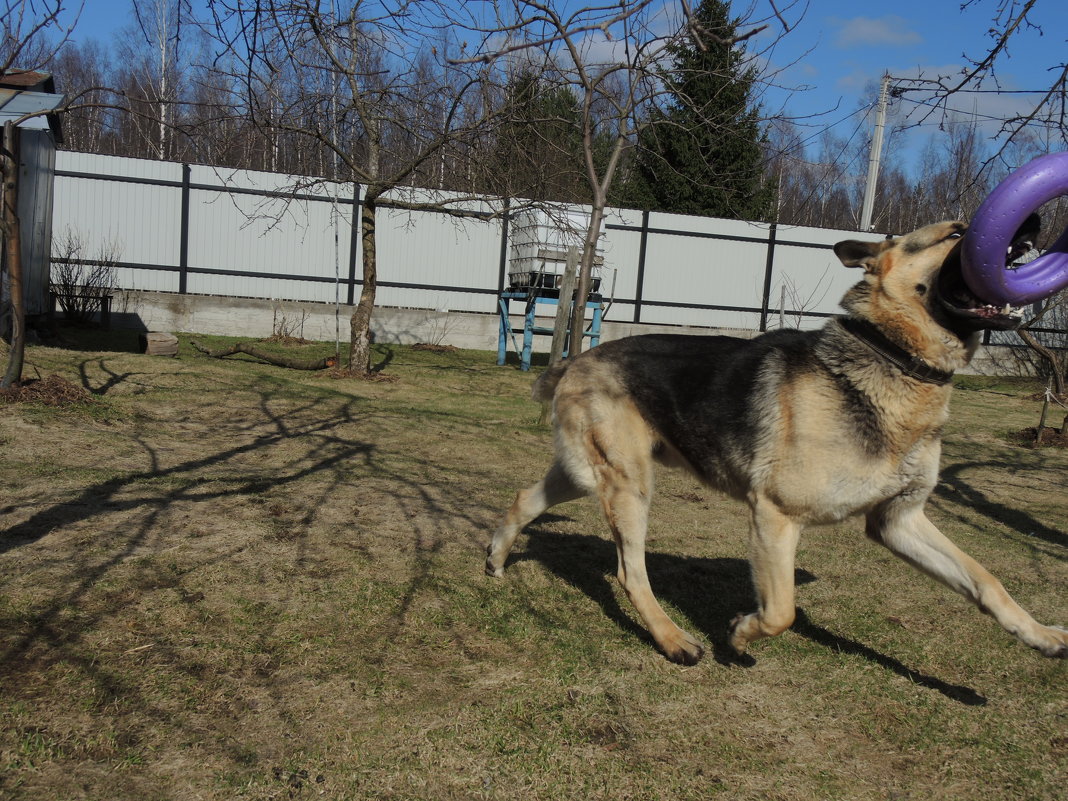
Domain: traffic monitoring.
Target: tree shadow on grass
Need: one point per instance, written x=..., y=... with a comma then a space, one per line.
x=387, y=353
x=709, y=591
x=953, y=487
x=104, y=386
x=277, y=464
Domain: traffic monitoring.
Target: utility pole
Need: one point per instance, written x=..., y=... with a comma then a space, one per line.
x=875, y=155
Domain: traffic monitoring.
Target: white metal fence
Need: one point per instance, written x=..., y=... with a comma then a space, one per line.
x=192, y=229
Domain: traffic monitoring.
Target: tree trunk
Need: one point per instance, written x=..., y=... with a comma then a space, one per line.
x=563, y=316
x=582, y=291
x=13, y=253
x=1049, y=356
x=360, y=322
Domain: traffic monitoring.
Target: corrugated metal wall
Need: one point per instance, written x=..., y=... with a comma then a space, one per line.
x=37, y=161
x=238, y=235
x=133, y=215
x=264, y=235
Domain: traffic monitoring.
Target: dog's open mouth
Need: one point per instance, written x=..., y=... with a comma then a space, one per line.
x=957, y=299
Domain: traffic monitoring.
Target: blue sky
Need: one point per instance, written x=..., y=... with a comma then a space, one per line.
x=829, y=63
x=839, y=50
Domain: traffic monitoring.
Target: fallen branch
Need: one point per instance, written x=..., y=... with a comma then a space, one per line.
x=271, y=358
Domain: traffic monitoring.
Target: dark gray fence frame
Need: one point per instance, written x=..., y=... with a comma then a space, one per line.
x=645, y=230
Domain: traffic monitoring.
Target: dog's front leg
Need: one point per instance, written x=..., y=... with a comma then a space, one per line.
x=902, y=526
x=773, y=540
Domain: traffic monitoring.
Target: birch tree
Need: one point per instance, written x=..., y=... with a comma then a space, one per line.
x=156, y=70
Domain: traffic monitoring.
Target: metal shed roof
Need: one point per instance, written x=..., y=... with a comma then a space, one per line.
x=15, y=104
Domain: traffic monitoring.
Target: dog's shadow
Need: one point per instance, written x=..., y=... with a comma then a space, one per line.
x=709, y=591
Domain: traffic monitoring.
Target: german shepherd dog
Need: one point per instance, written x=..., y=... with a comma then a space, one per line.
x=805, y=427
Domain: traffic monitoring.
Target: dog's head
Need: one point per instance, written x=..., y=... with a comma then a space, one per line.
x=917, y=277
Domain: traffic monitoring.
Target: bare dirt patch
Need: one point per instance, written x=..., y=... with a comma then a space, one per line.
x=432, y=348
x=1047, y=437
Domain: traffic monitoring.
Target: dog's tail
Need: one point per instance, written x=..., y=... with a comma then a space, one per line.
x=545, y=386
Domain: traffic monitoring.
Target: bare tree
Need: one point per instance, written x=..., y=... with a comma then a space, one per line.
x=32, y=30
x=81, y=70
x=82, y=281
x=363, y=87
x=610, y=88
x=612, y=58
x=156, y=70
x=953, y=100
x=1012, y=24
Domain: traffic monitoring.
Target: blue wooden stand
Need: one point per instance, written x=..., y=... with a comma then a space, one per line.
x=532, y=298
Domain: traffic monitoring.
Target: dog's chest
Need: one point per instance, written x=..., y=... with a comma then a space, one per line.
x=834, y=454
x=829, y=489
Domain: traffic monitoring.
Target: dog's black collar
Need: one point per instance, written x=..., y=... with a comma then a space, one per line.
x=878, y=343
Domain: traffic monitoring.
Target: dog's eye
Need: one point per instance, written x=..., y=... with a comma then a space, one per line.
x=921, y=289
x=955, y=235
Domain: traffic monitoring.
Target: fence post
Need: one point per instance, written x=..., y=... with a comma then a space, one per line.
x=641, y=267
x=769, y=263
x=183, y=235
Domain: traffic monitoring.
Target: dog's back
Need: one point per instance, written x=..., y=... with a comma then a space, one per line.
x=706, y=398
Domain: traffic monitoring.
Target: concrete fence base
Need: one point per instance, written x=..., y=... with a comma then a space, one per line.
x=258, y=318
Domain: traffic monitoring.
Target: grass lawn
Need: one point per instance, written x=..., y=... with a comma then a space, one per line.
x=221, y=579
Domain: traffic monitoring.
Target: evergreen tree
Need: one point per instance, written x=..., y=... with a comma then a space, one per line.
x=701, y=153
x=538, y=153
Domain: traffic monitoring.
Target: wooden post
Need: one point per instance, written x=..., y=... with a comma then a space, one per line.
x=563, y=309
x=1045, y=408
x=13, y=253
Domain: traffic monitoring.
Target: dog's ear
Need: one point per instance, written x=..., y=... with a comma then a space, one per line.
x=853, y=253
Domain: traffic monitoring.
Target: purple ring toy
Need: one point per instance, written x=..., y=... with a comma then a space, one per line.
x=994, y=224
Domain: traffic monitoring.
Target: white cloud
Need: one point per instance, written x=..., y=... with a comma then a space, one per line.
x=888, y=31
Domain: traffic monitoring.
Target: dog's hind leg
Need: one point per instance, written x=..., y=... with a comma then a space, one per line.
x=556, y=487
x=623, y=469
x=905, y=530
x=773, y=540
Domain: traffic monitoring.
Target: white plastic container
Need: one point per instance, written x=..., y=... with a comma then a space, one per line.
x=540, y=239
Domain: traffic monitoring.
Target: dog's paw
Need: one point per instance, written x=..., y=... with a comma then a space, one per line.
x=683, y=649
x=492, y=568
x=736, y=638
x=1055, y=642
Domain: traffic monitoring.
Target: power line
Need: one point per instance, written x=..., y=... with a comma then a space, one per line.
x=998, y=91
x=934, y=103
x=897, y=89
x=973, y=91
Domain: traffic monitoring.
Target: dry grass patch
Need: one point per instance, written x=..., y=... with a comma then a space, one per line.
x=236, y=581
